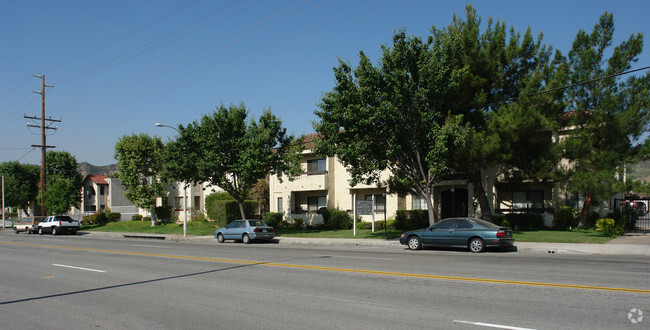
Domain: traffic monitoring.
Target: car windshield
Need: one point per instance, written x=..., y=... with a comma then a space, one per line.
x=256, y=223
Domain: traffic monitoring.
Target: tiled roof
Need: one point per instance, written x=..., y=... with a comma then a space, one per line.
x=98, y=178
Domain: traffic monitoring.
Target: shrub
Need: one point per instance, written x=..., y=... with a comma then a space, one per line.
x=592, y=217
x=114, y=216
x=147, y=219
x=164, y=213
x=501, y=220
x=225, y=211
x=298, y=223
x=336, y=219
x=411, y=219
x=609, y=228
x=136, y=217
x=101, y=218
x=273, y=219
x=564, y=218
x=523, y=221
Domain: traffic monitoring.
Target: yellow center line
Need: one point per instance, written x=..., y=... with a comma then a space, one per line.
x=350, y=270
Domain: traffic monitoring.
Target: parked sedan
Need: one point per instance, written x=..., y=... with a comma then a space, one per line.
x=245, y=231
x=474, y=234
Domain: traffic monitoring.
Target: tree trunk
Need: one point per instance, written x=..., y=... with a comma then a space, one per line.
x=430, y=208
x=480, y=195
x=585, y=209
x=241, y=209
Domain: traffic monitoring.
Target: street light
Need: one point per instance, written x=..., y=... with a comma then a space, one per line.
x=184, y=187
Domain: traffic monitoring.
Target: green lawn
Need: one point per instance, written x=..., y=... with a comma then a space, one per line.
x=552, y=236
x=206, y=228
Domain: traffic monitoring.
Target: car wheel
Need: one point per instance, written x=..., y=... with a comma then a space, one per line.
x=246, y=239
x=414, y=243
x=220, y=238
x=54, y=231
x=16, y=231
x=40, y=231
x=476, y=245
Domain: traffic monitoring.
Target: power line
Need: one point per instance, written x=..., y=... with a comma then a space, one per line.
x=175, y=79
x=122, y=37
x=106, y=64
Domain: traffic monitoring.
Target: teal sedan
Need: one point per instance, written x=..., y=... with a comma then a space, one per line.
x=474, y=234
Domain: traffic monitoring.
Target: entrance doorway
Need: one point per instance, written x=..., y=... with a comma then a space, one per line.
x=454, y=203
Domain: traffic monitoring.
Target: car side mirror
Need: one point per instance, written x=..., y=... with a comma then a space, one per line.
x=430, y=228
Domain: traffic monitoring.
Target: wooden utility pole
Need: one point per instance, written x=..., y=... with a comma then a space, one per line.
x=43, y=144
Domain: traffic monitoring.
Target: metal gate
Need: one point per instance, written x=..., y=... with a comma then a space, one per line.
x=637, y=211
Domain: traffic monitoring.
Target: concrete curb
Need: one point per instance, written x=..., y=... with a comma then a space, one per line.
x=522, y=247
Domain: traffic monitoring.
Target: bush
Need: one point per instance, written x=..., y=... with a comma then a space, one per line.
x=273, y=219
x=592, y=217
x=564, y=218
x=298, y=224
x=336, y=219
x=523, y=221
x=101, y=218
x=136, y=217
x=411, y=219
x=225, y=211
x=609, y=227
x=501, y=220
x=147, y=219
x=164, y=213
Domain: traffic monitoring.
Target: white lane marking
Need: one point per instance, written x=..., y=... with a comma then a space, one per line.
x=490, y=325
x=353, y=257
x=80, y=268
x=153, y=246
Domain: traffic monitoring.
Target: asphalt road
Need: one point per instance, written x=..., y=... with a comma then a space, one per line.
x=77, y=282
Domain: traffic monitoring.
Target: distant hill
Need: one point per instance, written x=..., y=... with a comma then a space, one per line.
x=639, y=172
x=86, y=168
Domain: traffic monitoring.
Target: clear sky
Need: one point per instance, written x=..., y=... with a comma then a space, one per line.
x=120, y=66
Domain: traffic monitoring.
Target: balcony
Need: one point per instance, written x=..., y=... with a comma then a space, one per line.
x=310, y=181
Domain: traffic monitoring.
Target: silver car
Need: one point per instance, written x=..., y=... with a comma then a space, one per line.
x=245, y=231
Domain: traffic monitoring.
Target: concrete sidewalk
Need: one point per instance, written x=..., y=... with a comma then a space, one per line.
x=637, y=244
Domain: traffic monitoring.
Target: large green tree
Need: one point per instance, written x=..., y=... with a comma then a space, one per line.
x=21, y=184
x=501, y=67
x=139, y=163
x=605, y=117
x=392, y=116
x=230, y=151
x=440, y=106
x=63, y=183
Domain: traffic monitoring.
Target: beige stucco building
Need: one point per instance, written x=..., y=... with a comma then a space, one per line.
x=325, y=184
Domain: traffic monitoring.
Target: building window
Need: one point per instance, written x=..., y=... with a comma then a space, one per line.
x=380, y=202
x=280, y=207
x=316, y=166
x=178, y=203
x=314, y=203
x=101, y=190
x=533, y=199
x=418, y=202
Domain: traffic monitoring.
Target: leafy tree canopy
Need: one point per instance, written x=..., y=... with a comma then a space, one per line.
x=63, y=182
x=21, y=184
x=605, y=118
x=230, y=151
x=436, y=106
x=139, y=165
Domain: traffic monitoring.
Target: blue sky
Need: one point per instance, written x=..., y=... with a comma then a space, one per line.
x=119, y=66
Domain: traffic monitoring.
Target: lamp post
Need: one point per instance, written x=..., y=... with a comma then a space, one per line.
x=184, y=187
